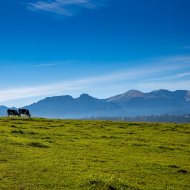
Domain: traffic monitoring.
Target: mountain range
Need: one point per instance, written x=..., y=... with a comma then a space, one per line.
x=130, y=103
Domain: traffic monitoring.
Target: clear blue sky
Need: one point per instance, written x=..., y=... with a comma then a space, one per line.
x=100, y=47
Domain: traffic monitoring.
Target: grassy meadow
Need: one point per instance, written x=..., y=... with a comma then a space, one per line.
x=42, y=154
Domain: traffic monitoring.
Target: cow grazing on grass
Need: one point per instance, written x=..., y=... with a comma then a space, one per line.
x=12, y=112
x=24, y=112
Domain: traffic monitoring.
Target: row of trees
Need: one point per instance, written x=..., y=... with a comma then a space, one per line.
x=151, y=118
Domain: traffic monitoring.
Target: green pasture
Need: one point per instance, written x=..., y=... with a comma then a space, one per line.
x=42, y=154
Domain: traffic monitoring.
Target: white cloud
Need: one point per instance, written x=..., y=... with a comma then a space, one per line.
x=183, y=75
x=139, y=78
x=63, y=7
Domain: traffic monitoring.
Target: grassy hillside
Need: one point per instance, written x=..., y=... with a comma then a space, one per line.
x=41, y=154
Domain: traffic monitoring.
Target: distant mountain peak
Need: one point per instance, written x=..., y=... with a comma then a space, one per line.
x=84, y=95
x=127, y=95
x=134, y=93
x=161, y=91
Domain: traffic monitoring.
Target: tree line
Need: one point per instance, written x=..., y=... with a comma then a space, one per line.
x=152, y=118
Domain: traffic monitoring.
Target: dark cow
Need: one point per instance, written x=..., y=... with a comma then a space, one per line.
x=24, y=112
x=12, y=112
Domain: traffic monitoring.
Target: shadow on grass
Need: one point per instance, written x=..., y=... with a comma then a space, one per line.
x=109, y=184
x=182, y=171
x=38, y=145
x=20, y=132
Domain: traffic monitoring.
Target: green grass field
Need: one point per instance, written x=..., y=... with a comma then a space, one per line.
x=40, y=154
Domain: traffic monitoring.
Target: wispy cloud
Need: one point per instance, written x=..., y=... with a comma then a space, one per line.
x=44, y=65
x=142, y=78
x=183, y=75
x=58, y=88
x=53, y=64
x=64, y=7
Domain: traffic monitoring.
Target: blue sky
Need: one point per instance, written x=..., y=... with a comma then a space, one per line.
x=100, y=47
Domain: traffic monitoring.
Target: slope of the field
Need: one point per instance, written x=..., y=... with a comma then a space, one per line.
x=41, y=154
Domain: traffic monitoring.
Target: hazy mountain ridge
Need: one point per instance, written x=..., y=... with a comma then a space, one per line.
x=67, y=106
x=3, y=110
x=154, y=103
x=130, y=103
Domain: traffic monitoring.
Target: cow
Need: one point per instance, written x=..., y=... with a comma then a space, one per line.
x=22, y=111
x=12, y=112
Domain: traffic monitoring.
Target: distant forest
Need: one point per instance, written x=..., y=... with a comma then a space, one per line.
x=153, y=118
